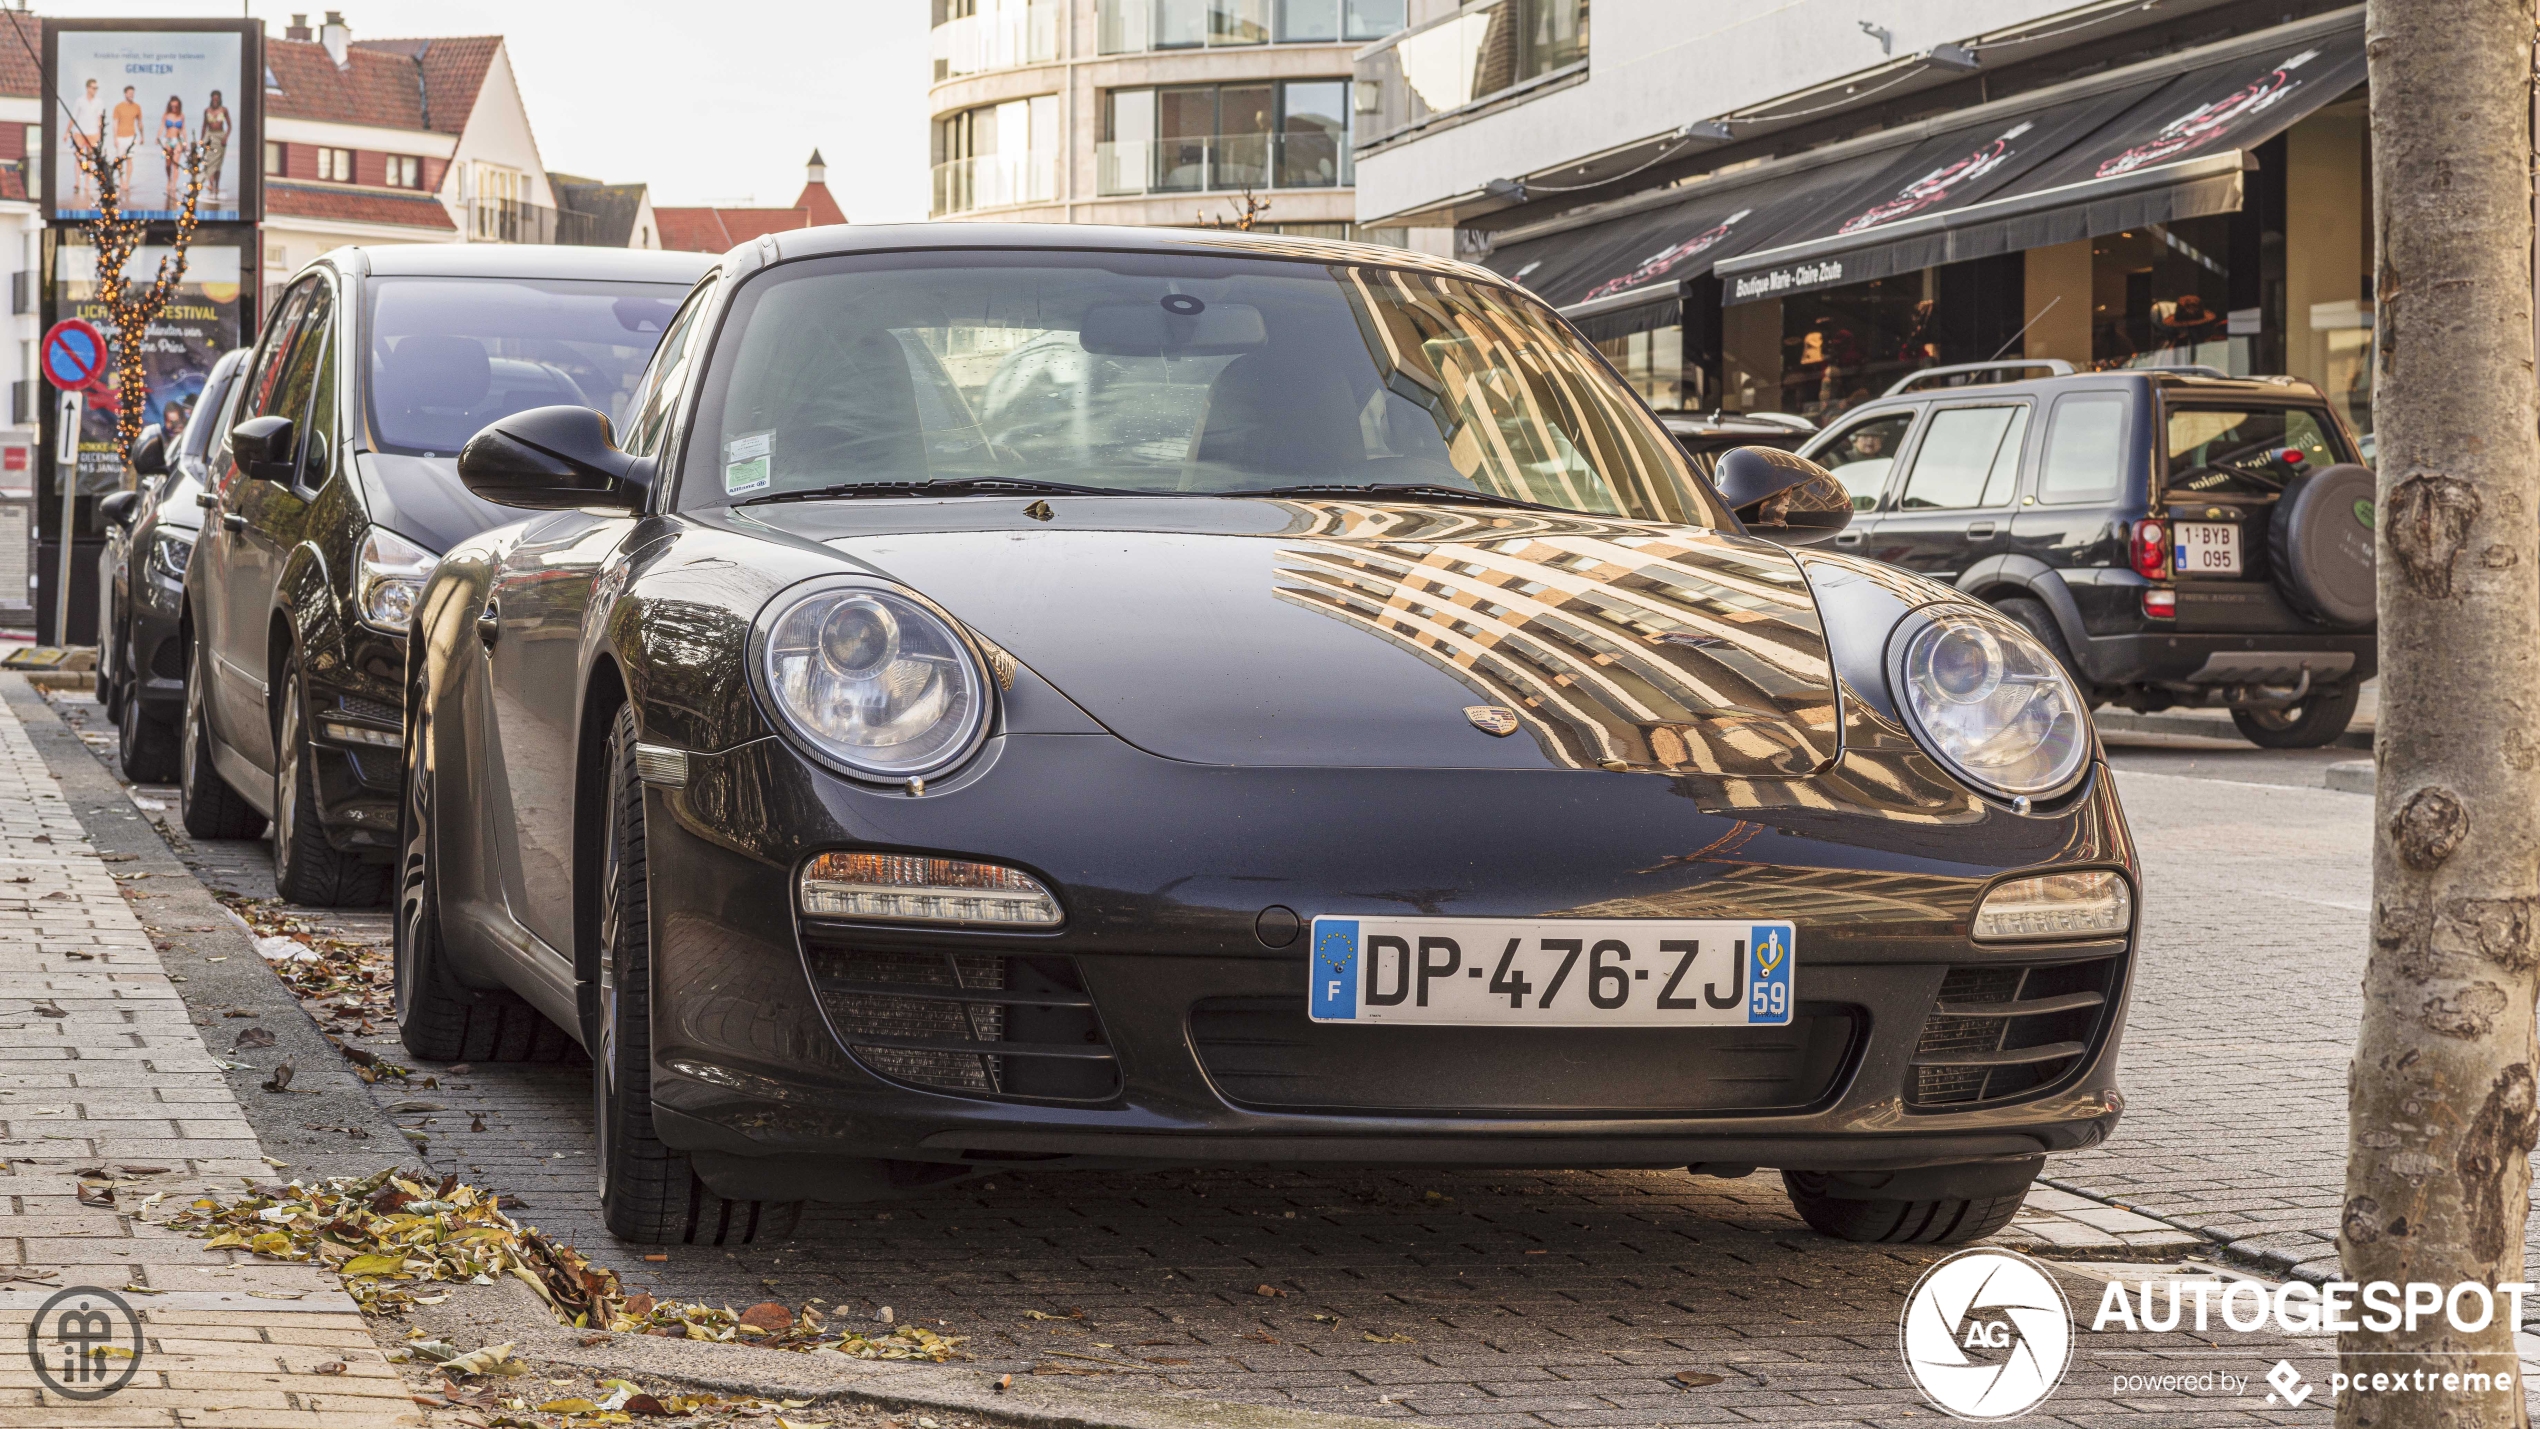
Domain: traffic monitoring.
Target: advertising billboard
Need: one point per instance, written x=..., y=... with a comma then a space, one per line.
x=200, y=322
x=141, y=92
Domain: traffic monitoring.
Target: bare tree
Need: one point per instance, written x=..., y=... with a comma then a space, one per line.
x=2441, y=1101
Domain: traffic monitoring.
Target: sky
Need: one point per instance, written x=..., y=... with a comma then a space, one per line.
x=714, y=103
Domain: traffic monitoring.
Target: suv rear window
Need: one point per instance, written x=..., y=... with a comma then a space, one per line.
x=2245, y=451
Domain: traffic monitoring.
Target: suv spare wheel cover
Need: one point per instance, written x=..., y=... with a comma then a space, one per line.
x=2322, y=535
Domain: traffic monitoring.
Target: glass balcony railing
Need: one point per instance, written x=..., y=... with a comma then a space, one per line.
x=1124, y=27
x=998, y=39
x=994, y=181
x=1222, y=163
x=1485, y=50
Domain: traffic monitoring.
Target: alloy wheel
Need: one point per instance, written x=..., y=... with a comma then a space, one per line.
x=604, y=1042
x=414, y=889
x=286, y=768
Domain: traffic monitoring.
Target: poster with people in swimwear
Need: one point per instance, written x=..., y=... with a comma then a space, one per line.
x=142, y=97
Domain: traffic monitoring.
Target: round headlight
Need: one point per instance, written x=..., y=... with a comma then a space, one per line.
x=1992, y=703
x=873, y=680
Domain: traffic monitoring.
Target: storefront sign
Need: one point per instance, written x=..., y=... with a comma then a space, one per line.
x=1775, y=281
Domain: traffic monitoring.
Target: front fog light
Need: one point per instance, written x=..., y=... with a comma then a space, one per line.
x=2091, y=904
x=906, y=888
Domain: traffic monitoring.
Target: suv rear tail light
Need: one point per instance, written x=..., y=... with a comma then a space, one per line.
x=2150, y=550
x=2161, y=603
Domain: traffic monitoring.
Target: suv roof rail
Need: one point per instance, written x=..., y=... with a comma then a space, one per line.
x=2055, y=367
x=2192, y=369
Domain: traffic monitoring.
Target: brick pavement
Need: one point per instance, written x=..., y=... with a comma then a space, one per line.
x=101, y=1068
x=1541, y=1298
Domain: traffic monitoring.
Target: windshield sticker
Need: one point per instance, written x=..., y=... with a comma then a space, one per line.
x=745, y=463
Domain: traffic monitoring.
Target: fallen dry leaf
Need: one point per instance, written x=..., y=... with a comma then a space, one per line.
x=254, y=1037
x=1696, y=1379
x=280, y=1081
x=1268, y=1290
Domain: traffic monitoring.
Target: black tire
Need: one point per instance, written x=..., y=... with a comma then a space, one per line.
x=149, y=744
x=206, y=804
x=649, y=1194
x=439, y=1020
x=2037, y=620
x=307, y=869
x=2316, y=721
x=1944, y=1220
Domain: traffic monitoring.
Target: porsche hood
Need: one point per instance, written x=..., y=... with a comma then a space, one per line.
x=1411, y=636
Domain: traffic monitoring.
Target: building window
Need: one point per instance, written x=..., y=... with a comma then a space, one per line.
x=273, y=156
x=1131, y=26
x=335, y=165
x=1470, y=55
x=997, y=155
x=404, y=171
x=1204, y=138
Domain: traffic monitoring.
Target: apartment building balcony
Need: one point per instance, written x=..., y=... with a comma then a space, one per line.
x=1220, y=162
x=994, y=181
x=998, y=39
x=1485, y=52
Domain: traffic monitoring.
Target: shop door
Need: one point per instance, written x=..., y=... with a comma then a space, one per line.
x=1954, y=506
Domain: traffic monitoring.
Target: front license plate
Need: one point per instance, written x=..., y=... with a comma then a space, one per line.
x=1552, y=972
x=2205, y=548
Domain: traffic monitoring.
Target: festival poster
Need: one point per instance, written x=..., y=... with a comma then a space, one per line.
x=145, y=96
x=199, y=323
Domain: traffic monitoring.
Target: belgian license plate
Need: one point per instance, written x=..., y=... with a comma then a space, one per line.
x=1552, y=972
x=2205, y=548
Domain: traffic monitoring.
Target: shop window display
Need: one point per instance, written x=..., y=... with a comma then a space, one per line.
x=2161, y=297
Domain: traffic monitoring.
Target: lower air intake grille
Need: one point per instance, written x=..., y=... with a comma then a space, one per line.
x=1265, y=1052
x=2002, y=1032
x=984, y=1024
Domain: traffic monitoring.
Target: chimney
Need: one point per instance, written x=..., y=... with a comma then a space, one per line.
x=338, y=39
x=817, y=171
x=298, y=29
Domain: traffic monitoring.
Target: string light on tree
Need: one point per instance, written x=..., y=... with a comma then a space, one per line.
x=129, y=308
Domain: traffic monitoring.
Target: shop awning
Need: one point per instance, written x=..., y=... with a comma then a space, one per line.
x=2148, y=154
x=1643, y=257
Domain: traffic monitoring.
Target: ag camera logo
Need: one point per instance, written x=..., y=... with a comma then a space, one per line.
x=1986, y=1335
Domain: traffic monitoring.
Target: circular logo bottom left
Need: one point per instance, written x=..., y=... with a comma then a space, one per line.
x=85, y=1343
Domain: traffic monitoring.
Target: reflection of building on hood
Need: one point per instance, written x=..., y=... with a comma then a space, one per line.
x=1937, y=186
x=2206, y=123
x=1658, y=264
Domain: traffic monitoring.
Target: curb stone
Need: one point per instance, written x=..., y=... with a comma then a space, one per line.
x=2353, y=776
x=473, y=1314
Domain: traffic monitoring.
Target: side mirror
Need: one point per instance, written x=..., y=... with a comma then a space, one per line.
x=263, y=447
x=1782, y=498
x=117, y=508
x=553, y=459
x=150, y=452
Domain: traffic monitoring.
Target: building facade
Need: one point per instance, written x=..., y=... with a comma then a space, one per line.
x=1788, y=211
x=1150, y=112
x=713, y=230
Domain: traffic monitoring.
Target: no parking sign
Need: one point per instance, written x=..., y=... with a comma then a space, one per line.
x=74, y=355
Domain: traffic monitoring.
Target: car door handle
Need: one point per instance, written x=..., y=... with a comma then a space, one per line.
x=1979, y=530
x=489, y=625
x=231, y=520
x=1848, y=538
x=203, y=499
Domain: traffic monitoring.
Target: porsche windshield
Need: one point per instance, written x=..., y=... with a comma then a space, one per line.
x=1168, y=373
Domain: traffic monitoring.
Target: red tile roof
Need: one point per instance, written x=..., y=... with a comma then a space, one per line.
x=454, y=69
x=21, y=74
x=712, y=230
x=816, y=200
x=349, y=205
x=382, y=90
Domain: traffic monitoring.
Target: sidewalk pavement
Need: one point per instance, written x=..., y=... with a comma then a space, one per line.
x=102, y=1073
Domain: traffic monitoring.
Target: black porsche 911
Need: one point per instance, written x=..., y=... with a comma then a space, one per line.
x=1076, y=697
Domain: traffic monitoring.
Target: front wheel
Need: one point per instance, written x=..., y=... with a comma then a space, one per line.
x=2318, y=719
x=1924, y=1210
x=649, y=1193
x=149, y=746
x=208, y=806
x=308, y=869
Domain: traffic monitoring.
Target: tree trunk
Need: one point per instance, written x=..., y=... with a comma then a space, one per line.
x=2440, y=1101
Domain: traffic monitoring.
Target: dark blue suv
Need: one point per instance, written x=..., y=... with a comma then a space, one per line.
x=2176, y=536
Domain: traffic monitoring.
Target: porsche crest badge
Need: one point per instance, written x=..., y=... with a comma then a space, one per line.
x=1492, y=719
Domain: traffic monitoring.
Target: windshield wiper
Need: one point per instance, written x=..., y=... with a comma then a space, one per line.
x=1406, y=491
x=948, y=486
